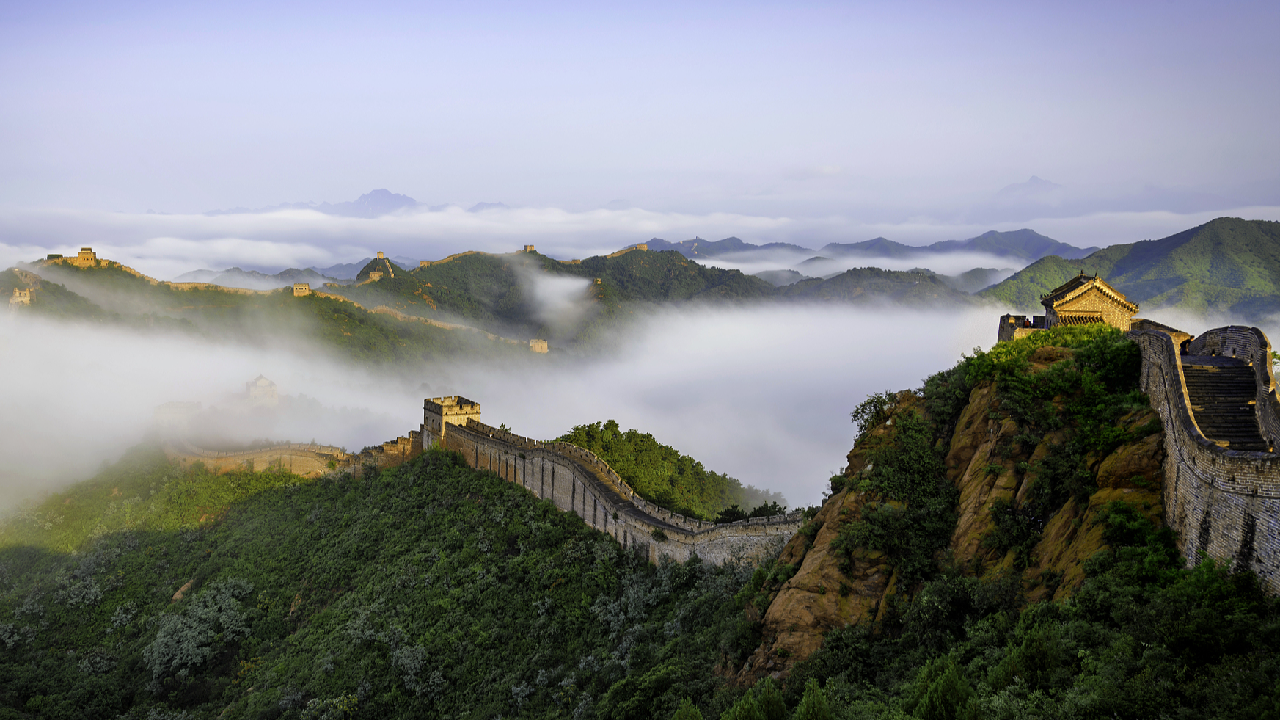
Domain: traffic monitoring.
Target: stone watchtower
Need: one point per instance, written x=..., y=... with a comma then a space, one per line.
x=301, y=289
x=261, y=392
x=21, y=296
x=1082, y=300
x=438, y=413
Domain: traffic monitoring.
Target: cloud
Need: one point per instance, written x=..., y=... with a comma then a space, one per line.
x=759, y=392
x=167, y=245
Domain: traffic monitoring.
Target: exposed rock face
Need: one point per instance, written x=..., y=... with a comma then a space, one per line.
x=987, y=459
x=820, y=596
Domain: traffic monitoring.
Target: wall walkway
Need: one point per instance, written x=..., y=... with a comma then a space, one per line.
x=577, y=481
x=1222, y=502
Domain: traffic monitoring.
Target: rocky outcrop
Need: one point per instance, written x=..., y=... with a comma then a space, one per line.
x=988, y=458
x=821, y=595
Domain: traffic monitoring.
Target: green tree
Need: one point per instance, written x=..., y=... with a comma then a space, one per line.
x=687, y=711
x=814, y=705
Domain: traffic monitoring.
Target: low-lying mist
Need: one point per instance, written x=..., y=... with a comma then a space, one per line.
x=760, y=392
x=814, y=265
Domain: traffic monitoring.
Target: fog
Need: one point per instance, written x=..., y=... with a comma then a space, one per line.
x=816, y=265
x=761, y=393
x=165, y=246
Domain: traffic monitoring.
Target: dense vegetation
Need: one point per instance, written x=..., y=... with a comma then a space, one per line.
x=1144, y=636
x=110, y=294
x=912, y=289
x=669, y=479
x=431, y=590
x=1226, y=265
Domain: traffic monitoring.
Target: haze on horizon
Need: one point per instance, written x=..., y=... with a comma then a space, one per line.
x=1093, y=123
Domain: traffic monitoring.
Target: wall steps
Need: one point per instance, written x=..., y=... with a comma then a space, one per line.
x=1223, y=394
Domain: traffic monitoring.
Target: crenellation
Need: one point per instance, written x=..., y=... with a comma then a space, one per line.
x=576, y=480
x=1223, y=504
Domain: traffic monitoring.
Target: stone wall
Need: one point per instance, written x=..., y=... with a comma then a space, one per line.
x=1222, y=503
x=298, y=458
x=1252, y=346
x=575, y=480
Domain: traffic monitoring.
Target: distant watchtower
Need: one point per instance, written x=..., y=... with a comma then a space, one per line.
x=21, y=296
x=301, y=289
x=261, y=392
x=1082, y=300
x=528, y=248
x=85, y=258
x=438, y=413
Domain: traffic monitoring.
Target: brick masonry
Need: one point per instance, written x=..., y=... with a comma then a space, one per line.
x=575, y=480
x=1223, y=503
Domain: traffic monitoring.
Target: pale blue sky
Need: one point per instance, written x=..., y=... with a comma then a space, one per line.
x=868, y=113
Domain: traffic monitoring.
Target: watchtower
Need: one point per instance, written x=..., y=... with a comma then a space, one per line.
x=438, y=413
x=301, y=289
x=1082, y=300
x=85, y=258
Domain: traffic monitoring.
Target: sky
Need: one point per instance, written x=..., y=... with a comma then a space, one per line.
x=599, y=125
x=603, y=124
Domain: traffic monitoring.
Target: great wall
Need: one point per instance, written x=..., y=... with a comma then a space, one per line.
x=1223, y=502
x=1215, y=395
x=573, y=479
x=87, y=258
x=1216, y=398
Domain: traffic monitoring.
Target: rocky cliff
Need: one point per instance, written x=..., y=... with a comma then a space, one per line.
x=1010, y=467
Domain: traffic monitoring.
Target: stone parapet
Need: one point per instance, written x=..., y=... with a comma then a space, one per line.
x=1224, y=504
x=1252, y=346
x=576, y=480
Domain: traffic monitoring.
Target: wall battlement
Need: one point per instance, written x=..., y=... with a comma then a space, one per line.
x=576, y=480
x=1223, y=503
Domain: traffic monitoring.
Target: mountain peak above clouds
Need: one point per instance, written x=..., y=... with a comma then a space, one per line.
x=1034, y=186
x=372, y=204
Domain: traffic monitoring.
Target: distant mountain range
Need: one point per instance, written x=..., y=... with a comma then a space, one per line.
x=254, y=280
x=1226, y=265
x=375, y=203
x=1025, y=245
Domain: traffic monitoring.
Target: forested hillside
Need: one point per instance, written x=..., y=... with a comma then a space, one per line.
x=994, y=550
x=663, y=475
x=111, y=294
x=1227, y=265
x=431, y=590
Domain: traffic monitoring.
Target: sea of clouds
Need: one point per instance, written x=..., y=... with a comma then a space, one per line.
x=166, y=246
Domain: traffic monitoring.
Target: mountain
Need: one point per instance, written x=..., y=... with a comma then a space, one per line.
x=481, y=207
x=1226, y=265
x=1022, y=244
x=363, y=334
x=873, y=285
x=994, y=548
x=372, y=204
x=699, y=248
x=349, y=271
x=254, y=280
x=781, y=278
x=877, y=247
x=971, y=281
x=427, y=590
x=497, y=291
